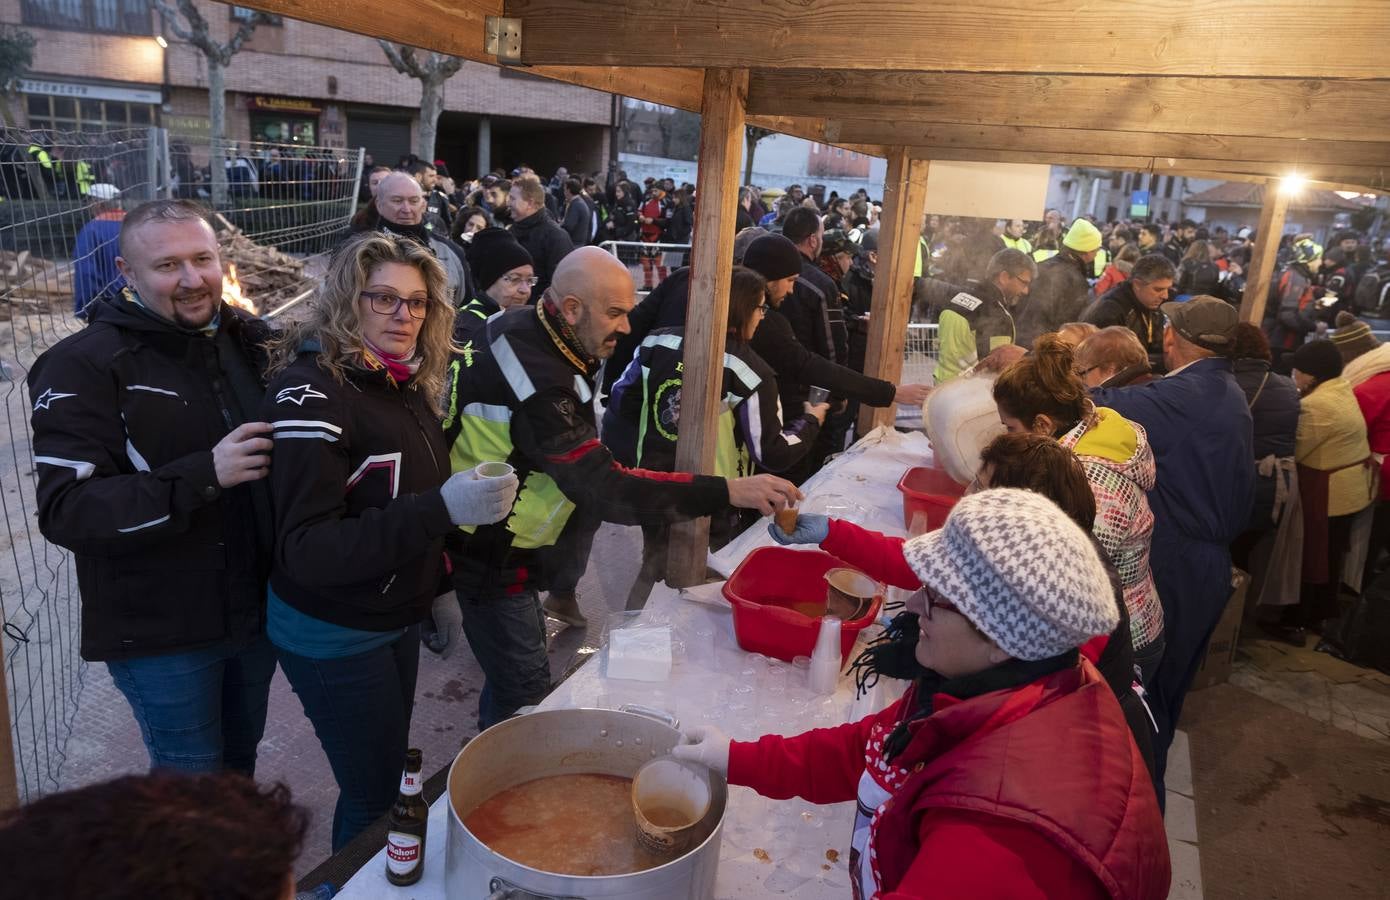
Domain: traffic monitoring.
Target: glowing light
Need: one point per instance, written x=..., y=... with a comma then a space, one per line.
x=163, y=44
x=1292, y=183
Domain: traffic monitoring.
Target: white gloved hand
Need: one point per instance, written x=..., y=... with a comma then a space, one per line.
x=708, y=746
x=448, y=625
x=478, y=501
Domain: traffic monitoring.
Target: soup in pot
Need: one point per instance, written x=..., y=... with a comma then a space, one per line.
x=565, y=824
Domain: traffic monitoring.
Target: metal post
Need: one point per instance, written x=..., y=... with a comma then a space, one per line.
x=484, y=145
x=152, y=164
x=167, y=165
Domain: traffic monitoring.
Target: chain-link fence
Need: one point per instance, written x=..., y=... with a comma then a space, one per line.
x=62, y=198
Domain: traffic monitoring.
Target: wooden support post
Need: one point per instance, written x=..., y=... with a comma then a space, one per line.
x=707, y=310
x=900, y=226
x=1271, y=227
x=9, y=783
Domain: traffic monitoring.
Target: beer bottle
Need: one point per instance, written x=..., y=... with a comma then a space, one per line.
x=405, y=836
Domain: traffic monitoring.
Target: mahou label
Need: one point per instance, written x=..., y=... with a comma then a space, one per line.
x=402, y=852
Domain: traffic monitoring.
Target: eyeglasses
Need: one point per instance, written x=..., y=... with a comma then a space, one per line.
x=765, y=308
x=386, y=304
x=518, y=281
x=935, y=601
x=1082, y=373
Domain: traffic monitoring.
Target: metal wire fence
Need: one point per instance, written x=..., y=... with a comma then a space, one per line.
x=62, y=197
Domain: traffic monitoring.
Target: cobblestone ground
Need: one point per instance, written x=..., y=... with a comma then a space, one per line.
x=106, y=741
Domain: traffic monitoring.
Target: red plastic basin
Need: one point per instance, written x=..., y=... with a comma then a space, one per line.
x=765, y=586
x=930, y=492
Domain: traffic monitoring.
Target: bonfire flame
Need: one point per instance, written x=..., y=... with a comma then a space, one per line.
x=231, y=291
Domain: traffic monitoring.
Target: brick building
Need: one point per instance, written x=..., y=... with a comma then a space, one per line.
x=97, y=65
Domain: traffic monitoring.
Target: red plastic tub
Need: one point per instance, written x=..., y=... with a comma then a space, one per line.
x=765, y=586
x=930, y=492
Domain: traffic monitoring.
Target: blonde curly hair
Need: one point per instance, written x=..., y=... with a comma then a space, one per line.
x=334, y=323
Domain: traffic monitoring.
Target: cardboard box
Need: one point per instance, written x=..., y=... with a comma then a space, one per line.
x=1221, y=647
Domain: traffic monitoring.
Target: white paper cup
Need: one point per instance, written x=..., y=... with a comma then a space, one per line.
x=492, y=470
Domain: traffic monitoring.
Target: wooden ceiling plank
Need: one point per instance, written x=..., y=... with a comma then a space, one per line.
x=1253, y=107
x=1158, y=37
x=1080, y=140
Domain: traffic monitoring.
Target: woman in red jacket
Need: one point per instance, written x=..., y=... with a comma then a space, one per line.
x=1007, y=771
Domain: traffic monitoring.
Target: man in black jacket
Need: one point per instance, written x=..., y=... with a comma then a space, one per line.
x=536, y=231
x=579, y=218
x=1062, y=289
x=776, y=259
x=1134, y=304
x=151, y=471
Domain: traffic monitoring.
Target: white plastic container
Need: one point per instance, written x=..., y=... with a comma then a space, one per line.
x=825, y=659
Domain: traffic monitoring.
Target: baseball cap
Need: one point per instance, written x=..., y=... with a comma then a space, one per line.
x=1205, y=321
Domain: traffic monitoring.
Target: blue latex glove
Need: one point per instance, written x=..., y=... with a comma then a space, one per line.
x=810, y=529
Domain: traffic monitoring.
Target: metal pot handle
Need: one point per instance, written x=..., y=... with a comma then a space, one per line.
x=504, y=890
x=652, y=712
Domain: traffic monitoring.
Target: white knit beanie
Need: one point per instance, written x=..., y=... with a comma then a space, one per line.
x=1020, y=570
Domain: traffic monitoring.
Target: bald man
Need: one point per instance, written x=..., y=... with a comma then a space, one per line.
x=524, y=395
x=400, y=210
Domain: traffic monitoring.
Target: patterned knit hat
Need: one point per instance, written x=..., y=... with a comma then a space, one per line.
x=1020, y=570
x=1353, y=337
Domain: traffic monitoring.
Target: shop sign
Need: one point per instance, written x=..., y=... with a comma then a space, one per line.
x=285, y=105
x=90, y=91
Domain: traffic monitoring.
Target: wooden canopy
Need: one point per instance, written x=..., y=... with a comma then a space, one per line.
x=1244, y=90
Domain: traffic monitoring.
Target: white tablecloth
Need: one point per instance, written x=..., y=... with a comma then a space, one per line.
x=770, y=848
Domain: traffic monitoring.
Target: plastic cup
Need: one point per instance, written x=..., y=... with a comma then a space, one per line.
x=492, y=470
x=669, y=798
x=786, y=519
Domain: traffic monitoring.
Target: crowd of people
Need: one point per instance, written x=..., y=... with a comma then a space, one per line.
x=326, y=498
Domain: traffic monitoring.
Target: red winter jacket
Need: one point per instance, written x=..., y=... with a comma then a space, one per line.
x=1031, y=792
x=1373, y=396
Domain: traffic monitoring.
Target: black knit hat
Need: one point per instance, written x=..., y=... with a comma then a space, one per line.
x=773, y=257
x=1318, y=358
x=492, y=253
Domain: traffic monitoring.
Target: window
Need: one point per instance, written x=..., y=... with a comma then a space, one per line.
x=839, y=151
x=1124, y=182
x=114, y=16
x=1168, y=188
x=1115, y=180
x=72, y=114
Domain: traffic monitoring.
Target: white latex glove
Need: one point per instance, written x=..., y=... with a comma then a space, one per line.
x=448, y=625
x=478, y=501
x=708, y=746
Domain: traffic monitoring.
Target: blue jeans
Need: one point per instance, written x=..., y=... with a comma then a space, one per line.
x=200, y=710
x=507, y=634
x=360, y=707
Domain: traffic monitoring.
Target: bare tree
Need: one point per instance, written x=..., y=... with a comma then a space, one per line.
x=432, y=70
x=752, y=134
x=16, y=56
x=218, y=56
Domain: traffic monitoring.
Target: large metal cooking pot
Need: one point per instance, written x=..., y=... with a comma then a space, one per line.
x=560, y=742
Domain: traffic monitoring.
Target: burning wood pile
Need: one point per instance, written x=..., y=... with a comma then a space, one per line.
x=32, y=283
x=259, y=278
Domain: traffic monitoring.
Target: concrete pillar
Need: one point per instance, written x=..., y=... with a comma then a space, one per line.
x=484, y=146
x=1095, y=195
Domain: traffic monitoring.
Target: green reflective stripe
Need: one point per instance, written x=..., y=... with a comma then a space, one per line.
x=452, y=391
x=541, y=509
x=540, y=513
x=730, y=459
x=512, y=369
x=489, y=411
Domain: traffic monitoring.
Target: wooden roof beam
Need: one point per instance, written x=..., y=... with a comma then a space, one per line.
x=1279, y=152
x=1338, y=178
x=1252, y=107
x=1156, y=37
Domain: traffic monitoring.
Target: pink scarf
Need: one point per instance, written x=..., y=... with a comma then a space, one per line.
x=399, y=368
